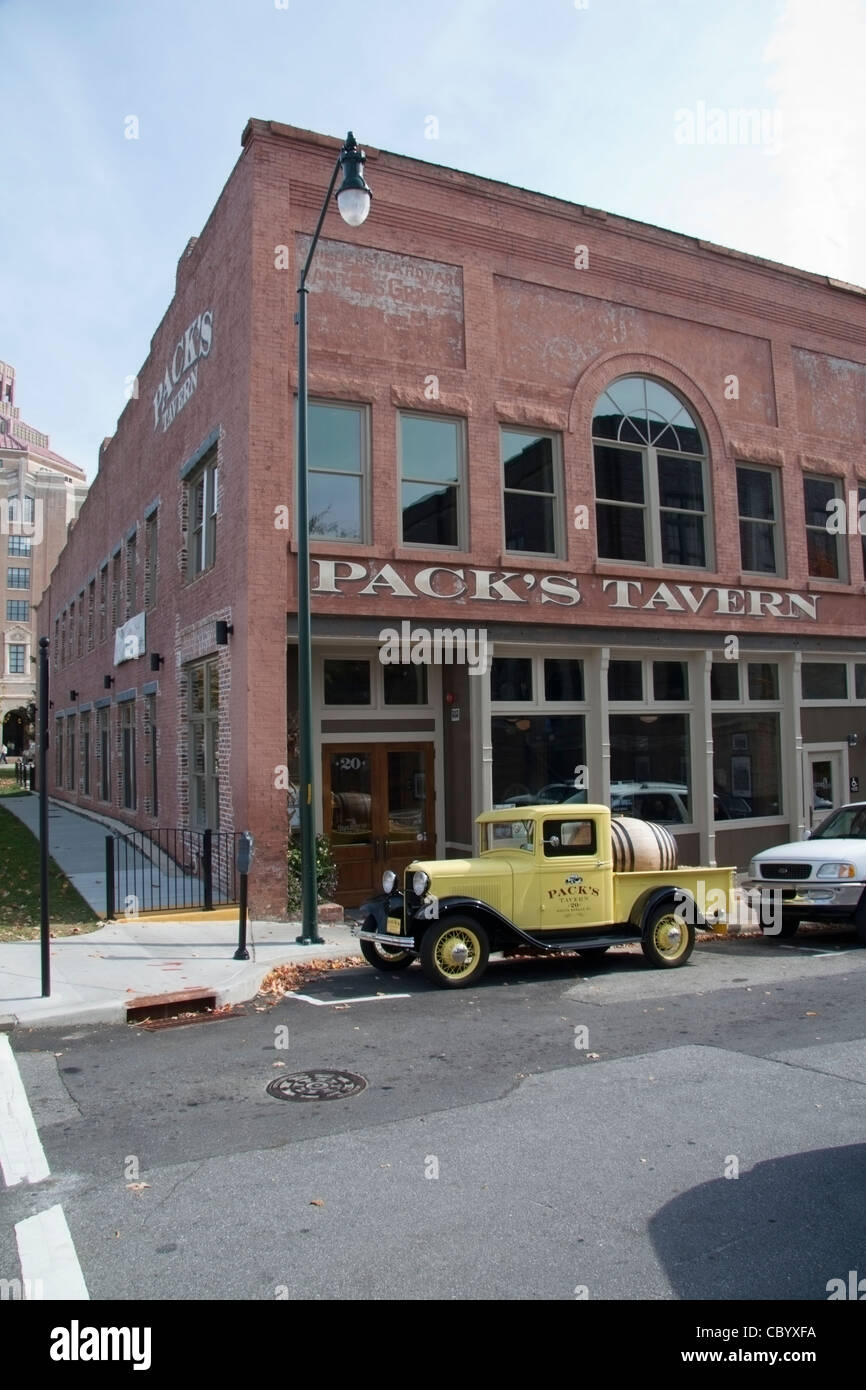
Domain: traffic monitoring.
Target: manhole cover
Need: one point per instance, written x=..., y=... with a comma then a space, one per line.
x=317, y=1085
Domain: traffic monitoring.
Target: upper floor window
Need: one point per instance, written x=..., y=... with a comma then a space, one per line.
x=758, y=503
x=151, y=559
x=131, y=574
x=651, y=481
x=21, y=510
x=432, y=464
x=17, y=653
x=17, y=578
x=530, y=480
x=17, y=610
x=338, y=465
x=19, y=545
x=823, y=545
x=203, y=500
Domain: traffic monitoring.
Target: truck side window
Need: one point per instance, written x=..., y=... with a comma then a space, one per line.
x=575, y=837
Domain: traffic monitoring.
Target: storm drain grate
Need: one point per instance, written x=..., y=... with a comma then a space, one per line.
x=317, y=1085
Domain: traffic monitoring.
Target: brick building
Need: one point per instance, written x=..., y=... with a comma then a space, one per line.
x=41, y=494
x=619, y=460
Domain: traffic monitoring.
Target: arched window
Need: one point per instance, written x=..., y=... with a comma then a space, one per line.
x=651, y=485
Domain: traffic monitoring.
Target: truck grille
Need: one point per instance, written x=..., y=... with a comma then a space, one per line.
x=783, y=871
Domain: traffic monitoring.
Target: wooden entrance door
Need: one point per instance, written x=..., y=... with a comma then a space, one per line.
x=379, y=812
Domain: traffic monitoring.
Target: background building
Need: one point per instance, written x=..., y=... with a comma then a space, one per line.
x=40, y=497
x=613, y=452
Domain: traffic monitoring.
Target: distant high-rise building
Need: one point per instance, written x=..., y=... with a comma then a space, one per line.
x=40, y=497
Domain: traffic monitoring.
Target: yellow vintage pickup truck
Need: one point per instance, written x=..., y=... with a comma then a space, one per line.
x=550, y=879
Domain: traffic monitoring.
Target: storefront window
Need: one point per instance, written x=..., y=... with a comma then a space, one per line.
x=670, y=680
x=625, y=680
x=747, y=777
x=725, y=681
x=563, y=680
x=649, y=765
x=763, y=680
x=405, y=685
x=824, y=680
x=535, y=758
x=511, y=678
x=347, y=682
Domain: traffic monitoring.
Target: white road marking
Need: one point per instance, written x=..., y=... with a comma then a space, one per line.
x=22, y=1156
x=361, y=999
x=48, y=1259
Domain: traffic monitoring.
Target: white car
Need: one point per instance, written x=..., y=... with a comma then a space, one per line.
x=821, y=879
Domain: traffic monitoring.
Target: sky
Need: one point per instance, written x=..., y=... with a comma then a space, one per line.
x=626, y=105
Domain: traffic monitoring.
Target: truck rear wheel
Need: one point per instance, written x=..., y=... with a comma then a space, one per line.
x=667, y=940
x=454, y=953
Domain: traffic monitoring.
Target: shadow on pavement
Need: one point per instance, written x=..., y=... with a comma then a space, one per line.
x=781, y=1230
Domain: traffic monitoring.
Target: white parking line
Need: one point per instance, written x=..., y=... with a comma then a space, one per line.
x=48, y=1259
x=22, y=1156
x=361, y=999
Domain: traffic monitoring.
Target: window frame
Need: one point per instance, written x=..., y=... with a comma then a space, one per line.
x=363, y=474
x=841, y=576
x=461, y=508
x=651, y=507
x=201, y=538
x=777, y=522
x=557, y=495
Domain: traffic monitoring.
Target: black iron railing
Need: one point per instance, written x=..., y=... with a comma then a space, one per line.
x=169, y=869
x=25, y=775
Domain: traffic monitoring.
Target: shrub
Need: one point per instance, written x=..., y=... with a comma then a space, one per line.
x=326, y=873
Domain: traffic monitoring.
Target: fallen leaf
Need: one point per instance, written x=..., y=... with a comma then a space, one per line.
x=136, y=1186
x=811, y=1013
x=317, y=1202
x=593, y=1056
x=278, y=1064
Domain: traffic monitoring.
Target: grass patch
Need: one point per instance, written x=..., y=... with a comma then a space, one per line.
x=69, y=914
x=8, y=784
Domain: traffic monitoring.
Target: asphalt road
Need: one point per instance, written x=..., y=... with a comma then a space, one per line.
x=560, y=1131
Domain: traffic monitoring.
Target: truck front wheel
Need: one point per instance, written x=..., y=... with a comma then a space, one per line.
x=454, y=953
x=667, y=940
x=385, y=957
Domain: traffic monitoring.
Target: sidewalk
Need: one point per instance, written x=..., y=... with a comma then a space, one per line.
x=97, y=977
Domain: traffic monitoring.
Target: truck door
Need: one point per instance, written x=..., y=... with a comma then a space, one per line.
x=575, y=880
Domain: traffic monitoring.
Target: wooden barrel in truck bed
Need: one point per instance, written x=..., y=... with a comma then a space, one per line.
x=640, y=844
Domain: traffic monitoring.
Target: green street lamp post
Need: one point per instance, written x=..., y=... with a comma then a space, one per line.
x=353, y=200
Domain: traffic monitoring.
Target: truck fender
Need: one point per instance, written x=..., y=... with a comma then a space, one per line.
x=498, y=927
x=681, y=899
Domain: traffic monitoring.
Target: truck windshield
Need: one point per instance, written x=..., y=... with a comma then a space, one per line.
x=849, y=823
x=511, y=834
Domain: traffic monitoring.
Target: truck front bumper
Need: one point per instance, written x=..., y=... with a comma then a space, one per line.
x=794, y=896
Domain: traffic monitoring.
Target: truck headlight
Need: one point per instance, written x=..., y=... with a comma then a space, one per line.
x=836, y=871
x=389, y=878
x=420, y=883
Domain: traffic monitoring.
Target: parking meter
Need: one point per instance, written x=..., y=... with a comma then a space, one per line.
x=246, y=850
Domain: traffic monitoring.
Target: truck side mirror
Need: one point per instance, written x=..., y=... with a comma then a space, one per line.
x=554, y=842
x=246, y=851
